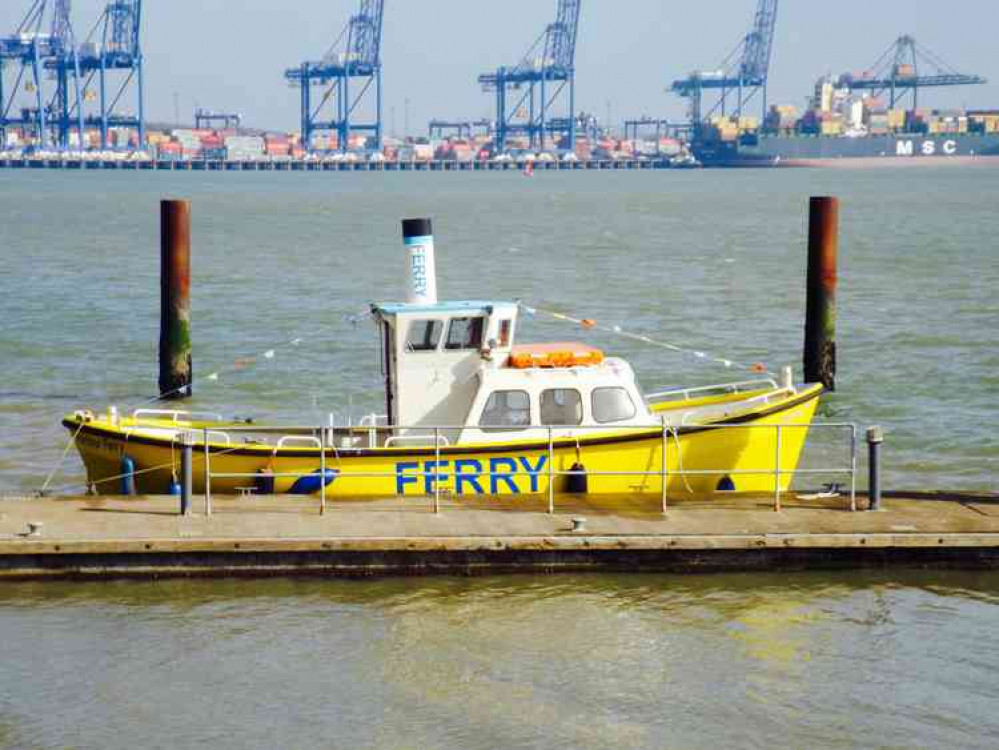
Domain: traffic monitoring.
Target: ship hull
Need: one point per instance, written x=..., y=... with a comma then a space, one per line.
x=820, y=151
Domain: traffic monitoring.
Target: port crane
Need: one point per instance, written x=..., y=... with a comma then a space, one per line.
x=662, y=128
x=545, y=73
x=67, y=99
x=355, y=55
x=743, y=73
x=107, y=68
x=901, y=71
x=208, y=119
x=461, y=128
x=23, y=59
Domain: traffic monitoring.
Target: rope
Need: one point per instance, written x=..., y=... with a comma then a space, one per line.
x=679, y=459
x=592, y=325
x=240, y=364
x=55, y=469
x=138, y=472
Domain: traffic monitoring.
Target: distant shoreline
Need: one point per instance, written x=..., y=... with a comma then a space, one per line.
x=143, y=165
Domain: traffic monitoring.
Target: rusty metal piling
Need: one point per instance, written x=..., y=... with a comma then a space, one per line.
x=175, y=299
x=820, y=311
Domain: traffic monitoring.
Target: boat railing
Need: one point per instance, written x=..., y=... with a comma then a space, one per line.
x=299, y=439
x=417, y=440
x=666, y=432
x=177, y=415
x=689, y=394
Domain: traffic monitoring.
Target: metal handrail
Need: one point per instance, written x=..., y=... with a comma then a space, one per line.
x=308, y=439
x=427, y=439
x=667, y=432
x=737, y=387
x=175, y=414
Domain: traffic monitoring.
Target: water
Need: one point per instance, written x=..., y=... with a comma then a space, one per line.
x=712, y=260
x=817, y=661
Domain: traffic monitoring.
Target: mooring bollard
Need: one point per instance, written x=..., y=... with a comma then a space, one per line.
x=820, y=308
x=875, y=438
x=186, y=473
x=175, y=299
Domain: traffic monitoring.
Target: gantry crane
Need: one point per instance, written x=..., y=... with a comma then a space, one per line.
x=23, y=57
x=107, y=68
x=543, y=75
x=743, y=73
x=209, y=119
x=901, y=70
x=66, y=105
x=356, y=54
x=460, y=128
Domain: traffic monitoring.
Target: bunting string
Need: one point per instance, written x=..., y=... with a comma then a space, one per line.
x=589, y=324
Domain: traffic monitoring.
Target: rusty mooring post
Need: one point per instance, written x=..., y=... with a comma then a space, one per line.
x=820, y=310
x=175, y=299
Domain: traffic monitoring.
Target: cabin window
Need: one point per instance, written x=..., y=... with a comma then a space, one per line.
x=424, y=335
x=505, y=410
x=561, y=406
x=612, y=405
x=505, y=327
x=465, y=333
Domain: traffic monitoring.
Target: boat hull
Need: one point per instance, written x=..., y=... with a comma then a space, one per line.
x=740, y=454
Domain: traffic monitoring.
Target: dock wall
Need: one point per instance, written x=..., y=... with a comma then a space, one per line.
x=468, y=556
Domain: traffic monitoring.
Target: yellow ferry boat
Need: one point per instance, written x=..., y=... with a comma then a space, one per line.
x=468, y=412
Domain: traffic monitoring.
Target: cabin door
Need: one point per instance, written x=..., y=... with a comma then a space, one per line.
x=388, y=370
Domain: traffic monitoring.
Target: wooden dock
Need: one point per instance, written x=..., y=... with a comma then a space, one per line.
x=95, y=537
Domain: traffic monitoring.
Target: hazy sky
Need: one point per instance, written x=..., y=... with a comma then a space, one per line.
x=231, y=55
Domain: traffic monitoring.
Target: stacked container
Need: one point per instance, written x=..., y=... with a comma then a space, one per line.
x=984, y=121
x=244, y=147
x=189, y=141
x=277, y=146
x=169, y=151
x=782, y=120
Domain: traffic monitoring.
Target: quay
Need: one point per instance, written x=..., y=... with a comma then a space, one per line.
x=147, y=537
x=222, y=165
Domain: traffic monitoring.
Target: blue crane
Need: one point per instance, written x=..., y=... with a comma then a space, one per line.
x=902, y=70
x=743, y=73
x=545, y=72
x=112, y=54
x=356, y=54
x=67, y=99
x=23, y=56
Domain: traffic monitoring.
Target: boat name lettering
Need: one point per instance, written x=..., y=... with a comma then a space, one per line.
x=928, y=148
x=471, y=476
x=418, y=260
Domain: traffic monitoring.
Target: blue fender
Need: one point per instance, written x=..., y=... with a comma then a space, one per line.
x=127, y=475
x=311, y=483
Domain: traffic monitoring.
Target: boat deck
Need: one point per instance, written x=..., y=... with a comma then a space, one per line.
x=146, y=536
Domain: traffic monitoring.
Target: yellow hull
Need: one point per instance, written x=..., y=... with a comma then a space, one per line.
x=738, y=454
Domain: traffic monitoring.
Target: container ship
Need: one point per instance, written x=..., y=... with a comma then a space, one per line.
x=840, y=128
x=769, y=150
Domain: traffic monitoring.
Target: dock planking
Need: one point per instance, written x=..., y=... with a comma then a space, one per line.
x=145, y=537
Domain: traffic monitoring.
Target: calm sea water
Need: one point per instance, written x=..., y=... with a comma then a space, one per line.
x=798, y=661
x=711, y=260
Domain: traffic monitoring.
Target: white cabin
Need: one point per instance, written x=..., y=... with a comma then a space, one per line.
x=455, y=365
